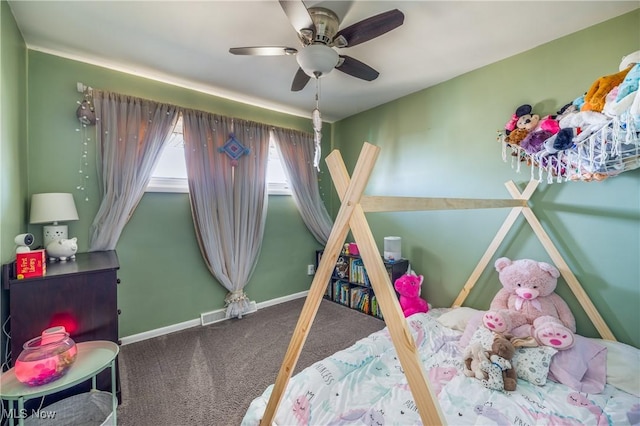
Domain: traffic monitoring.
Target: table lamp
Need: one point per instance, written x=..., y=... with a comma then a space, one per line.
x=52, y=208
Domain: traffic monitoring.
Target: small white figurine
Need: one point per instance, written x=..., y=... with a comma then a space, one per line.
x=63, y=249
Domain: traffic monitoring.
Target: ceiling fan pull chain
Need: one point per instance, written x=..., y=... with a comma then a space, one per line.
x=317, y=127
x=317, y=92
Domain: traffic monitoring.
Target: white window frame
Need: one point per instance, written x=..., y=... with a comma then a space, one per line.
x=181, y=185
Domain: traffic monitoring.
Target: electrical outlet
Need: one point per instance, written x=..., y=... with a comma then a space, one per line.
x=311, y=269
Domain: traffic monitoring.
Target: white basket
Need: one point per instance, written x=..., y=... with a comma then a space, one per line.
x=611, y=150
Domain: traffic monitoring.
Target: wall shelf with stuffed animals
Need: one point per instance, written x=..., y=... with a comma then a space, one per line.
x=594, y=137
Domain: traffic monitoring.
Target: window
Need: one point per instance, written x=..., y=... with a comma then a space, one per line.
x=170, y=174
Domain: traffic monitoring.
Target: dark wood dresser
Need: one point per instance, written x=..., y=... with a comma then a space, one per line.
x=79, y=294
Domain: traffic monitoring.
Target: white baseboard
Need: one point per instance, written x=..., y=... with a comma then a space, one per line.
x=221, y=314
x=282, y=299
x=211, y=317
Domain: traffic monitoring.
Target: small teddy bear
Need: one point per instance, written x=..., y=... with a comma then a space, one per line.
x=408, y=287
x=492, y=367
x=502, y=375
x=527, y=304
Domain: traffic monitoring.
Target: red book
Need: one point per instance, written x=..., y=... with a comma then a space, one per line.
x=31, y=264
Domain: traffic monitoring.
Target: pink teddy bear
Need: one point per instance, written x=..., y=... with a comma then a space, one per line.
x=408, y=287
x=527, y=305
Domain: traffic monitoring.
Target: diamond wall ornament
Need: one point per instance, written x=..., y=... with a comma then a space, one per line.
x=234, y=149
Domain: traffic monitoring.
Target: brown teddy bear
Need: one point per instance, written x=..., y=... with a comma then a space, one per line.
x=503, y=350
x=492, y=367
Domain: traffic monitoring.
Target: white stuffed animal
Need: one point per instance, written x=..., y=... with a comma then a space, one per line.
x=473, y=358
x=494, y=368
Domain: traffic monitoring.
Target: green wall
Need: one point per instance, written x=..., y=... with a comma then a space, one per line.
x=437, y=142
x=13, y=144
x=13, y=133
x=164, y=279
x=441, y=142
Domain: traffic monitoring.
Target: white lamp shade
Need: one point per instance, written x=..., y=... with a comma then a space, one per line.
x=317, y=59
x=52, y=207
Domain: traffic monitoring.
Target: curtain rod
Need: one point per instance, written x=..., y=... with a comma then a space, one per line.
x=82, y=88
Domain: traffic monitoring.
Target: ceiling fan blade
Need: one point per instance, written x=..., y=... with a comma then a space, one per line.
x=299, y=81
x=299, y=16
x=263, y=50
x=357, y=69
x=371, y=27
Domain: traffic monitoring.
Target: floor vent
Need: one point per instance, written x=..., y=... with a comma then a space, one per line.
x=220, y=314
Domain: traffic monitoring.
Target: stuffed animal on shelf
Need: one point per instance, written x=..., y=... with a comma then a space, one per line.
x=409, y=287
x=595, y=98
x=521, y=124
x=534, y=141
x=527, y=304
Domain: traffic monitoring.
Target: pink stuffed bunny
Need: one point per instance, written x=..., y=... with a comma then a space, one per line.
x=408, y=287
x=527, y=305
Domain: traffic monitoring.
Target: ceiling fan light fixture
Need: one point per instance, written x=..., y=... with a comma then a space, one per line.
x=317, y=60
x=326, y=23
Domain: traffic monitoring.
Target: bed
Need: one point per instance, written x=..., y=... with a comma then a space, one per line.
x=365, y=384
x=409, y=373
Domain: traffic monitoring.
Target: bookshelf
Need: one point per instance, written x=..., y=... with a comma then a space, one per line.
x=349, y=284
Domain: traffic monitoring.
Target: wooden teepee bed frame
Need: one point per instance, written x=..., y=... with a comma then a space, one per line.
x=351, y=216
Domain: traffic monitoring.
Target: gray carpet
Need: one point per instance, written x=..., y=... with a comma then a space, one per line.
x=209, y=375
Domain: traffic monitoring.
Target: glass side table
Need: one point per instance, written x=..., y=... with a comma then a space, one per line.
x=93, y=357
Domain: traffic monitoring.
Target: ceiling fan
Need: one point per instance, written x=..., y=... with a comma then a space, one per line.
x=319, y=33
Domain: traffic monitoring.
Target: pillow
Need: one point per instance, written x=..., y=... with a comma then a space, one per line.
x=474, y=323
x=581, y=367
x=623, y=366
x=531, y=364
x=457, y=318
x=484, y=336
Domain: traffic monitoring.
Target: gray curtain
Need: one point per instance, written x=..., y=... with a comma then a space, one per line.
x=228, y=198
x=297, y=151
x=131, y=133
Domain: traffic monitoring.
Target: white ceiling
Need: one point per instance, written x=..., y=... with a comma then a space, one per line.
x=187, y=43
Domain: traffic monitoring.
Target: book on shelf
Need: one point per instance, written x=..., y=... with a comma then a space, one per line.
x=358, y=272
x=375, y=308
x=349, y=284
x=341, y=292
x=360, y=299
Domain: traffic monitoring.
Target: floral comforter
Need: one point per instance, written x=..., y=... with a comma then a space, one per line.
x=365, y=384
